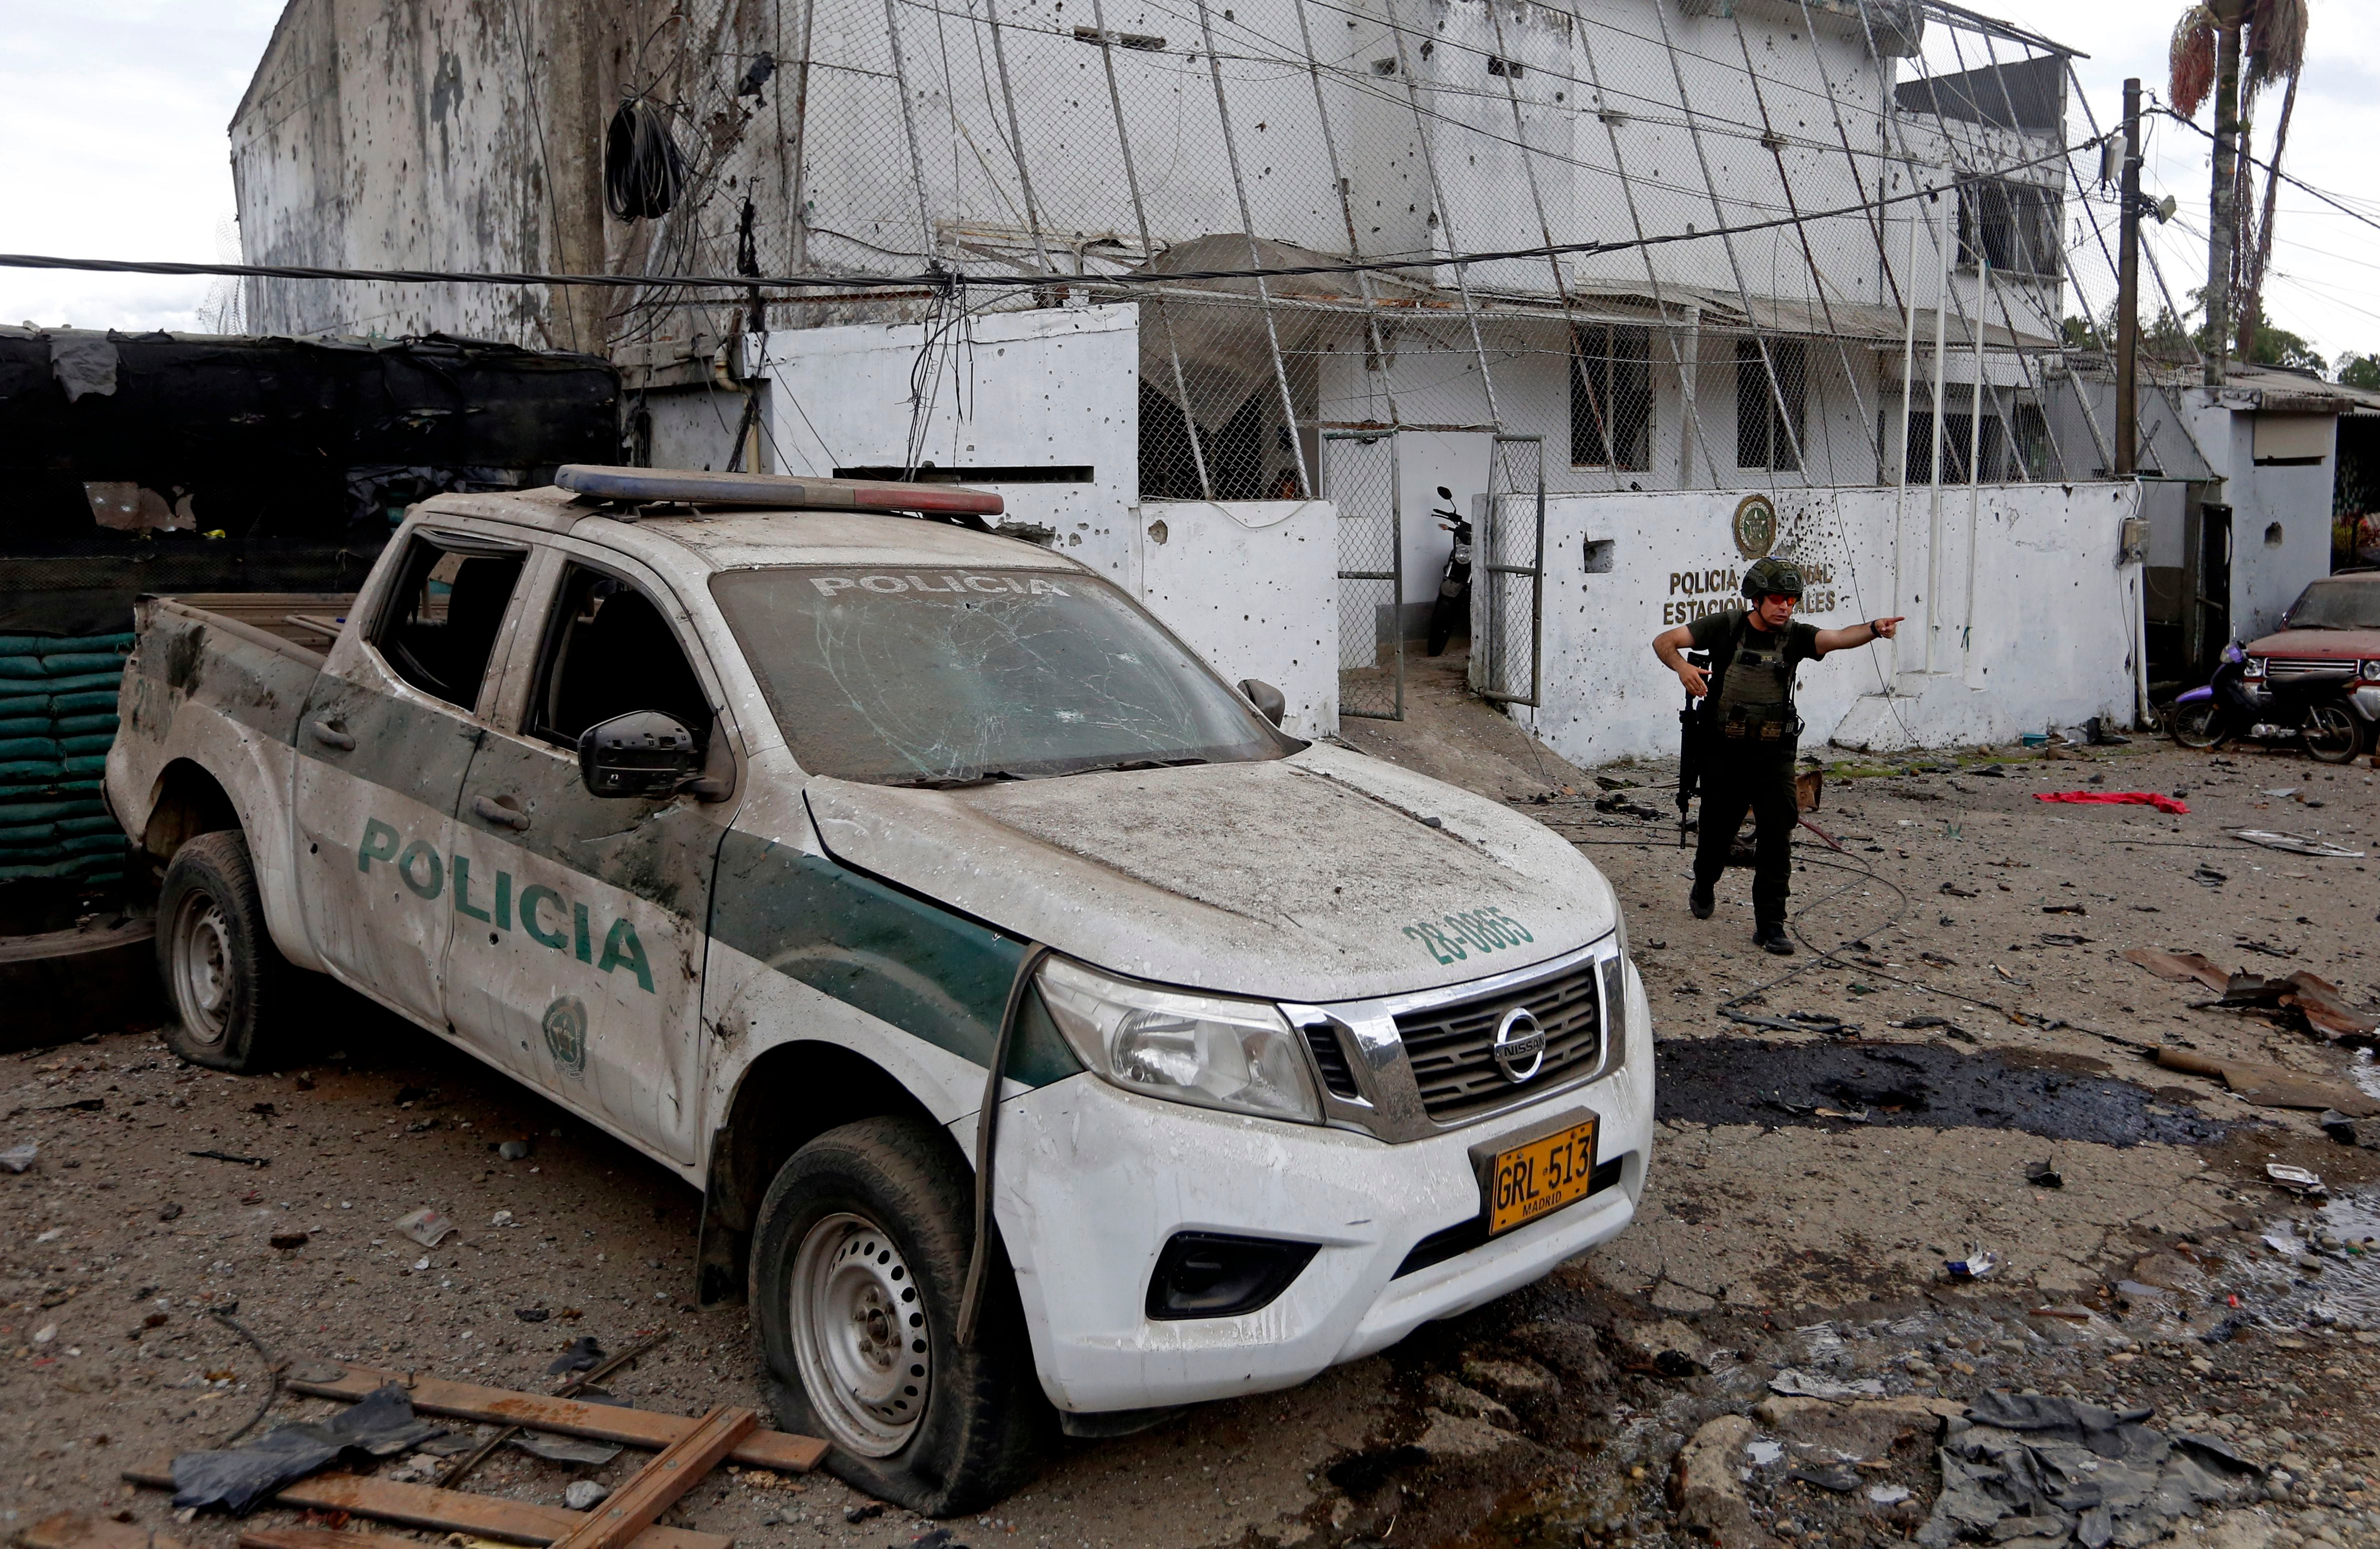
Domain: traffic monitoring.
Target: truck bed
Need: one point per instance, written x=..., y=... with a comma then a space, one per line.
x=310, y=621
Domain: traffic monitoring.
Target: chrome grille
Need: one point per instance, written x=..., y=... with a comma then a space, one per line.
x=2311, y=666
x=1449, y=1046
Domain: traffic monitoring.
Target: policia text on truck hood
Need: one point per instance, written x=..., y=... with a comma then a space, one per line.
x=758, y=825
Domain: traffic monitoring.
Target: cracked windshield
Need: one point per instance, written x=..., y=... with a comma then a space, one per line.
x=952, y=677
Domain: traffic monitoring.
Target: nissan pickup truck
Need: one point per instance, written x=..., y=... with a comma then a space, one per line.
x=757, y=820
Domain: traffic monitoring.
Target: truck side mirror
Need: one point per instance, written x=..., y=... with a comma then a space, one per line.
x=1265, y=698
x=643, y=753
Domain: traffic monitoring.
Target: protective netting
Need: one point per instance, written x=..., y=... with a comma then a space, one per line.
x=1766, y=205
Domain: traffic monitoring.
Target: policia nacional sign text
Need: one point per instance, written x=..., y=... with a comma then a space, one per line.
x=1694, y=593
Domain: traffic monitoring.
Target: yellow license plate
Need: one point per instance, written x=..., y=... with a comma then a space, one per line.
x=1544, y=1175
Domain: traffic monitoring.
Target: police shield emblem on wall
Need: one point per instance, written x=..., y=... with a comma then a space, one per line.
x=1755, y=527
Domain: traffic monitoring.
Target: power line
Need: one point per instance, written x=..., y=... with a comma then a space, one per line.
x=2295, y=182
x=938, y=277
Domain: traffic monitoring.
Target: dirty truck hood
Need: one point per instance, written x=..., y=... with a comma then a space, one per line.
x=1304, y=878
x=2336, y=643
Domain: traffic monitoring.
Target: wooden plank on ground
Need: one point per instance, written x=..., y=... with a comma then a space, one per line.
x=453, y=1511
x=656, y=1487
x=571, y=1417
x=321, y=1538
x=81, y=1530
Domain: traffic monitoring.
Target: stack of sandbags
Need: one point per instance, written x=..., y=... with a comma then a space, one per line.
x=57, y=720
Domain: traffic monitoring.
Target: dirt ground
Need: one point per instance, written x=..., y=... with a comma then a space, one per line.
x=1810, y=1181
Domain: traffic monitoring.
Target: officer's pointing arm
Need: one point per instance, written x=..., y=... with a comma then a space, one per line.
x=1857, y=634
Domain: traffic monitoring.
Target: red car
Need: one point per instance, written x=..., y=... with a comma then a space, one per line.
x=2331, y=634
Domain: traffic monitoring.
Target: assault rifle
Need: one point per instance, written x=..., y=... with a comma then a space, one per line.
x=1690, y=747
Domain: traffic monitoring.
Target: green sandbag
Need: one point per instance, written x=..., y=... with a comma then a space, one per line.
x=65, y=704
x=100, y=743
x=68, y=665
x=31, y=726
x=49, y=809
x=24, y=771
x=76, y=683
x=91, y=844
x=35, y=644
x=87, y=764
x=13, y=705
x=26, y=836
x=79, y=868
x=101, y=824
x=80, y=725
x=28, y=748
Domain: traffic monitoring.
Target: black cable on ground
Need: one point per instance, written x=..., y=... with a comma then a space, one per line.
x=273, y=1375
x=987, y=1141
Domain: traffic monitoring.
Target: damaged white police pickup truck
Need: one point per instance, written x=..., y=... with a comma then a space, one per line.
x=757, y=823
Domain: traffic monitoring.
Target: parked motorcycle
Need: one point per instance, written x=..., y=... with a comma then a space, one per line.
x=2312, y=712
x=1452, y=607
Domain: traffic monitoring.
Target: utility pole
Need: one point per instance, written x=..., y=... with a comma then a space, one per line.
x=2224, y=210
x=2128, y=292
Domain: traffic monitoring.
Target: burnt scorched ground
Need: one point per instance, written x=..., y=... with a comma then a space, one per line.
x=1776, y=1248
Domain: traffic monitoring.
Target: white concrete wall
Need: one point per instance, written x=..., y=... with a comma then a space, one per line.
x=1253, y=586
x=2280, y=513
x=2048, y=641
x=1053, y=387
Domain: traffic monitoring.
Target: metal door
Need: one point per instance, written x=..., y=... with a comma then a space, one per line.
x=1359, y=474
x=1509, y=578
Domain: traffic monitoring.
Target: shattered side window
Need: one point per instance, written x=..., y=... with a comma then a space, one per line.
x=953, y=676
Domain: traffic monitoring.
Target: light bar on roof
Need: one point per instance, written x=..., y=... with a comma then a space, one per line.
x=780, y=490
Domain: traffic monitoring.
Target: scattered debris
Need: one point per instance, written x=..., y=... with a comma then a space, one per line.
x=16, y=1158
x=532, y=1314
x=513, y=1150
x=2269, y=1085
x=2337, y=1126
x=566, y=1449
x=170, y=1210
x=2041, y=1470
x=2181, y=967
x=2296, y=1180
x=1978, y=1264
x=2296, y=844
x=2306, y=1000
x=382, y=1425
x=1887, y=1494
x=289, y=1240
x=2063, y=908
x=228, y=1156
x=863, y=1512
x=2207, y=877
x=2164, y=803
x=580, y=1355
x=426, y=1227
x=1801, y=1384
x=585, y=1495
x=2062, y=938
x=2044, y=1175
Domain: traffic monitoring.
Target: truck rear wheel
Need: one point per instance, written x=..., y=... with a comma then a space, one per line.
x=858, y=1270
x=223, y=975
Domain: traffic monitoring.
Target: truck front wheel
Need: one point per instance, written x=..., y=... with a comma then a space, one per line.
x=224, y=976
x=858, y=1270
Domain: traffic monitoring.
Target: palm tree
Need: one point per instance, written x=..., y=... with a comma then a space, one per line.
x=2275, y=44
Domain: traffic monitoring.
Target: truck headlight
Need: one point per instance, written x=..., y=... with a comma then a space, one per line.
x=2255, y=667
x=1241, y=1056
x=2371, y=671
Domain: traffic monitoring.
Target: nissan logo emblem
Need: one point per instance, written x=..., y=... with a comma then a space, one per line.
x=1520, y=1047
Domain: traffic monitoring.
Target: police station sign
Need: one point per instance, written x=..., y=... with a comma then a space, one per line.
x=1755, y=529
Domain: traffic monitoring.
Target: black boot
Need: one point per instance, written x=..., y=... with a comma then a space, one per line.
x=1773, y=939
x=1701, y=901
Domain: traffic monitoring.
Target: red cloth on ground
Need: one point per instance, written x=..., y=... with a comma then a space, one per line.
x=2115, y=798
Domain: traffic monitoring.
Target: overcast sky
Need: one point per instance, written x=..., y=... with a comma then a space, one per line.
x=116, y=109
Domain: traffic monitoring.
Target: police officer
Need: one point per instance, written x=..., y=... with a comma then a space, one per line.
x=1749, y=730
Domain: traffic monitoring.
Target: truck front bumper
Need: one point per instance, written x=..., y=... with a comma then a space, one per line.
x=1093, y=1181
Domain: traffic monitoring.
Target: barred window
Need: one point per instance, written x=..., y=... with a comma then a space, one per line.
x=1769, y=417
x=1611, y=397
x=2013, y=224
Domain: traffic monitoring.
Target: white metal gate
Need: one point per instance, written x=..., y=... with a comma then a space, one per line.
x=1509, y=574
x=1359, y=470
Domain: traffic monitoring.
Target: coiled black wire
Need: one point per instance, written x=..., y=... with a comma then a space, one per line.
x=643, y=169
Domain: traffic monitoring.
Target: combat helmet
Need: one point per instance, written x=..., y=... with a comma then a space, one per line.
x=1772, y=577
